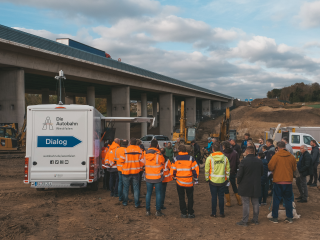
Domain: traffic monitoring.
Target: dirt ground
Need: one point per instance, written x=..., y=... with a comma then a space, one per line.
x=85, y=214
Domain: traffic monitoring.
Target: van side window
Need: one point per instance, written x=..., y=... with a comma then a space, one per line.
x=295, y=139
x=307, y=139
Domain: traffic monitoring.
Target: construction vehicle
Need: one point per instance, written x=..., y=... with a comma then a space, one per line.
x=11, y=140
x=225, y=132
x=185, y=133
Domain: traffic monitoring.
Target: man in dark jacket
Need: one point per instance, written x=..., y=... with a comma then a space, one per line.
x=235, y=147
x=270, y=149
x=244, y=142
x=315, y=162
x=249, y=181
x=234, y=165
x=196, y=151
x=305, y=169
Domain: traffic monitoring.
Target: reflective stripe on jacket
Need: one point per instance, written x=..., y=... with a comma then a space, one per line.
x=120, y=157
x=217, y=168
x=166, y=172
x=184, y=169
x=133, y=162
x=111, y=159
x=154, y=164
x=104, y=151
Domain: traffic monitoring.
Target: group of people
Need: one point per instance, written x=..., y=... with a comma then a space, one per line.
x=268, y=167
x=129, y=163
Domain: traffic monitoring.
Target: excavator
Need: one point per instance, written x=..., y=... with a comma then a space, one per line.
x=11, y=141
x=225, y=132
x=186, y=133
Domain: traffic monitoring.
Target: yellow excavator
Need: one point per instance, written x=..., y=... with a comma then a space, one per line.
x=225, y=132
x=10, y=139
x=186, y=133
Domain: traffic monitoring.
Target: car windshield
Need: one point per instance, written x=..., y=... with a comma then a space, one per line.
x=162, y=138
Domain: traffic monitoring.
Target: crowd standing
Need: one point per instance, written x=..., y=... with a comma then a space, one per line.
x=268, y=167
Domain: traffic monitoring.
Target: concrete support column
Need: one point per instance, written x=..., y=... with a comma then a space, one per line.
x=206, y=107
x=109, y=106
x=174, y=111
x=155, y=111
x=91, y=95
x=144, y=126
x=45, y=95
x=166, y=123
x=138, y=109
x=121, y=108
x=12, y=96
x=70, y=99
x=191, y=111
x=227, y=104
x=216, y=105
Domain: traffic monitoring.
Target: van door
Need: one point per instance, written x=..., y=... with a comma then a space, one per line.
x=59, y=149
x=295, y=139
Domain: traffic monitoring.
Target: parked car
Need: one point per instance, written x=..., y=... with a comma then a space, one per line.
x=162, y=140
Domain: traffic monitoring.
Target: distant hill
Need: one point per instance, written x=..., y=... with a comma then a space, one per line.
x=299, y=92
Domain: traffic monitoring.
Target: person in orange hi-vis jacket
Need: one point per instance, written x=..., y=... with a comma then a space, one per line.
x=111, y=163
x=154, y=175
x=130, y=171
x=167, y=176
x=121, y=157
x=185, y=169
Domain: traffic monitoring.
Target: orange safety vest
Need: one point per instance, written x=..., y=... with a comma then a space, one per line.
x=110, y=160
x=154, y=164
x=166, y=172
x=183, y=167
x=121, y=157
x=134, y=160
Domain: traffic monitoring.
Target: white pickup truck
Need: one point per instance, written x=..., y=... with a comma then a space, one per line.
x=162, y=140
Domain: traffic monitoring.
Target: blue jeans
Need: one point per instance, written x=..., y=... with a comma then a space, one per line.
x=136, y=191
x=120, y=186
x=114, y=182
x=217, y=191
x=264, y=192
x=282, y=191
x=233, y=184
x=292, y=200
x=163, y=193
x=158, y=187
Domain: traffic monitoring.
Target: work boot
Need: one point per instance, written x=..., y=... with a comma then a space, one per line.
x=148, y=213
x=243, y=224
x=274, y=220
x=288, y=220
x=313, y=185
x=228, y=203
x=309, y=183
x=238, y=199
x=183, y=216
x=298, y=198
x=191, y=216
x=159, y=214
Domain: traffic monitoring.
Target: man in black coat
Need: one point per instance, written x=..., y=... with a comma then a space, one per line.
x=315, y=162
x=249, y=185
x=305, y=168
x=235, y=147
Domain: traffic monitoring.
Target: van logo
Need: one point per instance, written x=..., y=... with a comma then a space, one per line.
x=47, y=125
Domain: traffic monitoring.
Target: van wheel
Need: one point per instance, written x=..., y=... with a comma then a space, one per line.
x=40, y=189
x=94, y=186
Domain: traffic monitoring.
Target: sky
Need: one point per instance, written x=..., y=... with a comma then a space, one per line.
x=241, y=48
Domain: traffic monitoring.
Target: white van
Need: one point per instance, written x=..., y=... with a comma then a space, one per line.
x=63, y=146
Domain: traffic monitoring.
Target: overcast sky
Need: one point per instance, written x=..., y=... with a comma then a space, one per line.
x=241, y=48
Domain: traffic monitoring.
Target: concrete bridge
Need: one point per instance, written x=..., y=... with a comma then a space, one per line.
x=28, y=64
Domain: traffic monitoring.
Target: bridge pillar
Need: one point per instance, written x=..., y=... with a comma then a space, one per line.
x=144, y=126
x=91, y=95
x=45, y=95
x=121, y=108
x=12, y=96
x=166, y=123
x=206, y=108
x=227, y=104
x=138, y=109
x=190, y=108
x=155, y=111
x=70, y=99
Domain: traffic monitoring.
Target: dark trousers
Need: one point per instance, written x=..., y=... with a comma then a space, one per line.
x=106, y=177
x=264, y=192
x=182, y=201
x=217, y=192
x=163, y=193
x=282, y=191
x=314, y=177
x=114, y=181
x=233, y=184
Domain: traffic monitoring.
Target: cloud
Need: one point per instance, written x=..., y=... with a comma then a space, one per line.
x=310, y=14
x=98, y=10
x=312, y=44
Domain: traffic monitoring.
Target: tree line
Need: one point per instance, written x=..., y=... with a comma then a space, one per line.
x=298, y=92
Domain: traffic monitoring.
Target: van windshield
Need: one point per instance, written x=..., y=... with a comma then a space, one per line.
x=307, y=139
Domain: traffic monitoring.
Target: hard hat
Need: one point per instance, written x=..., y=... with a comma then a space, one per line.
x=209, y=138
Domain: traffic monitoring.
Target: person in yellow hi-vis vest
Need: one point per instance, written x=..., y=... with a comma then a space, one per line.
x=217, y=173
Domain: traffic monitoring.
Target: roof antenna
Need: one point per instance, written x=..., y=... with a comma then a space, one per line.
x=60, y=77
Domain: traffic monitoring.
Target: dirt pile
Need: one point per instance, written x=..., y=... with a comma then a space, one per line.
x=260, y=102
x=258, y=120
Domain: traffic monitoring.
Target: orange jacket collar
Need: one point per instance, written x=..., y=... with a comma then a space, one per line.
x=216, y=153
x=183, y=153
x=156, y=149
x=114, y=146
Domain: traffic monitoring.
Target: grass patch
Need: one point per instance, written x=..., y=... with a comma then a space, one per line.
x=314, y=106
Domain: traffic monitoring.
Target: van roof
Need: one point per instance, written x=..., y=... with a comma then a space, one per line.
x=66, y=106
